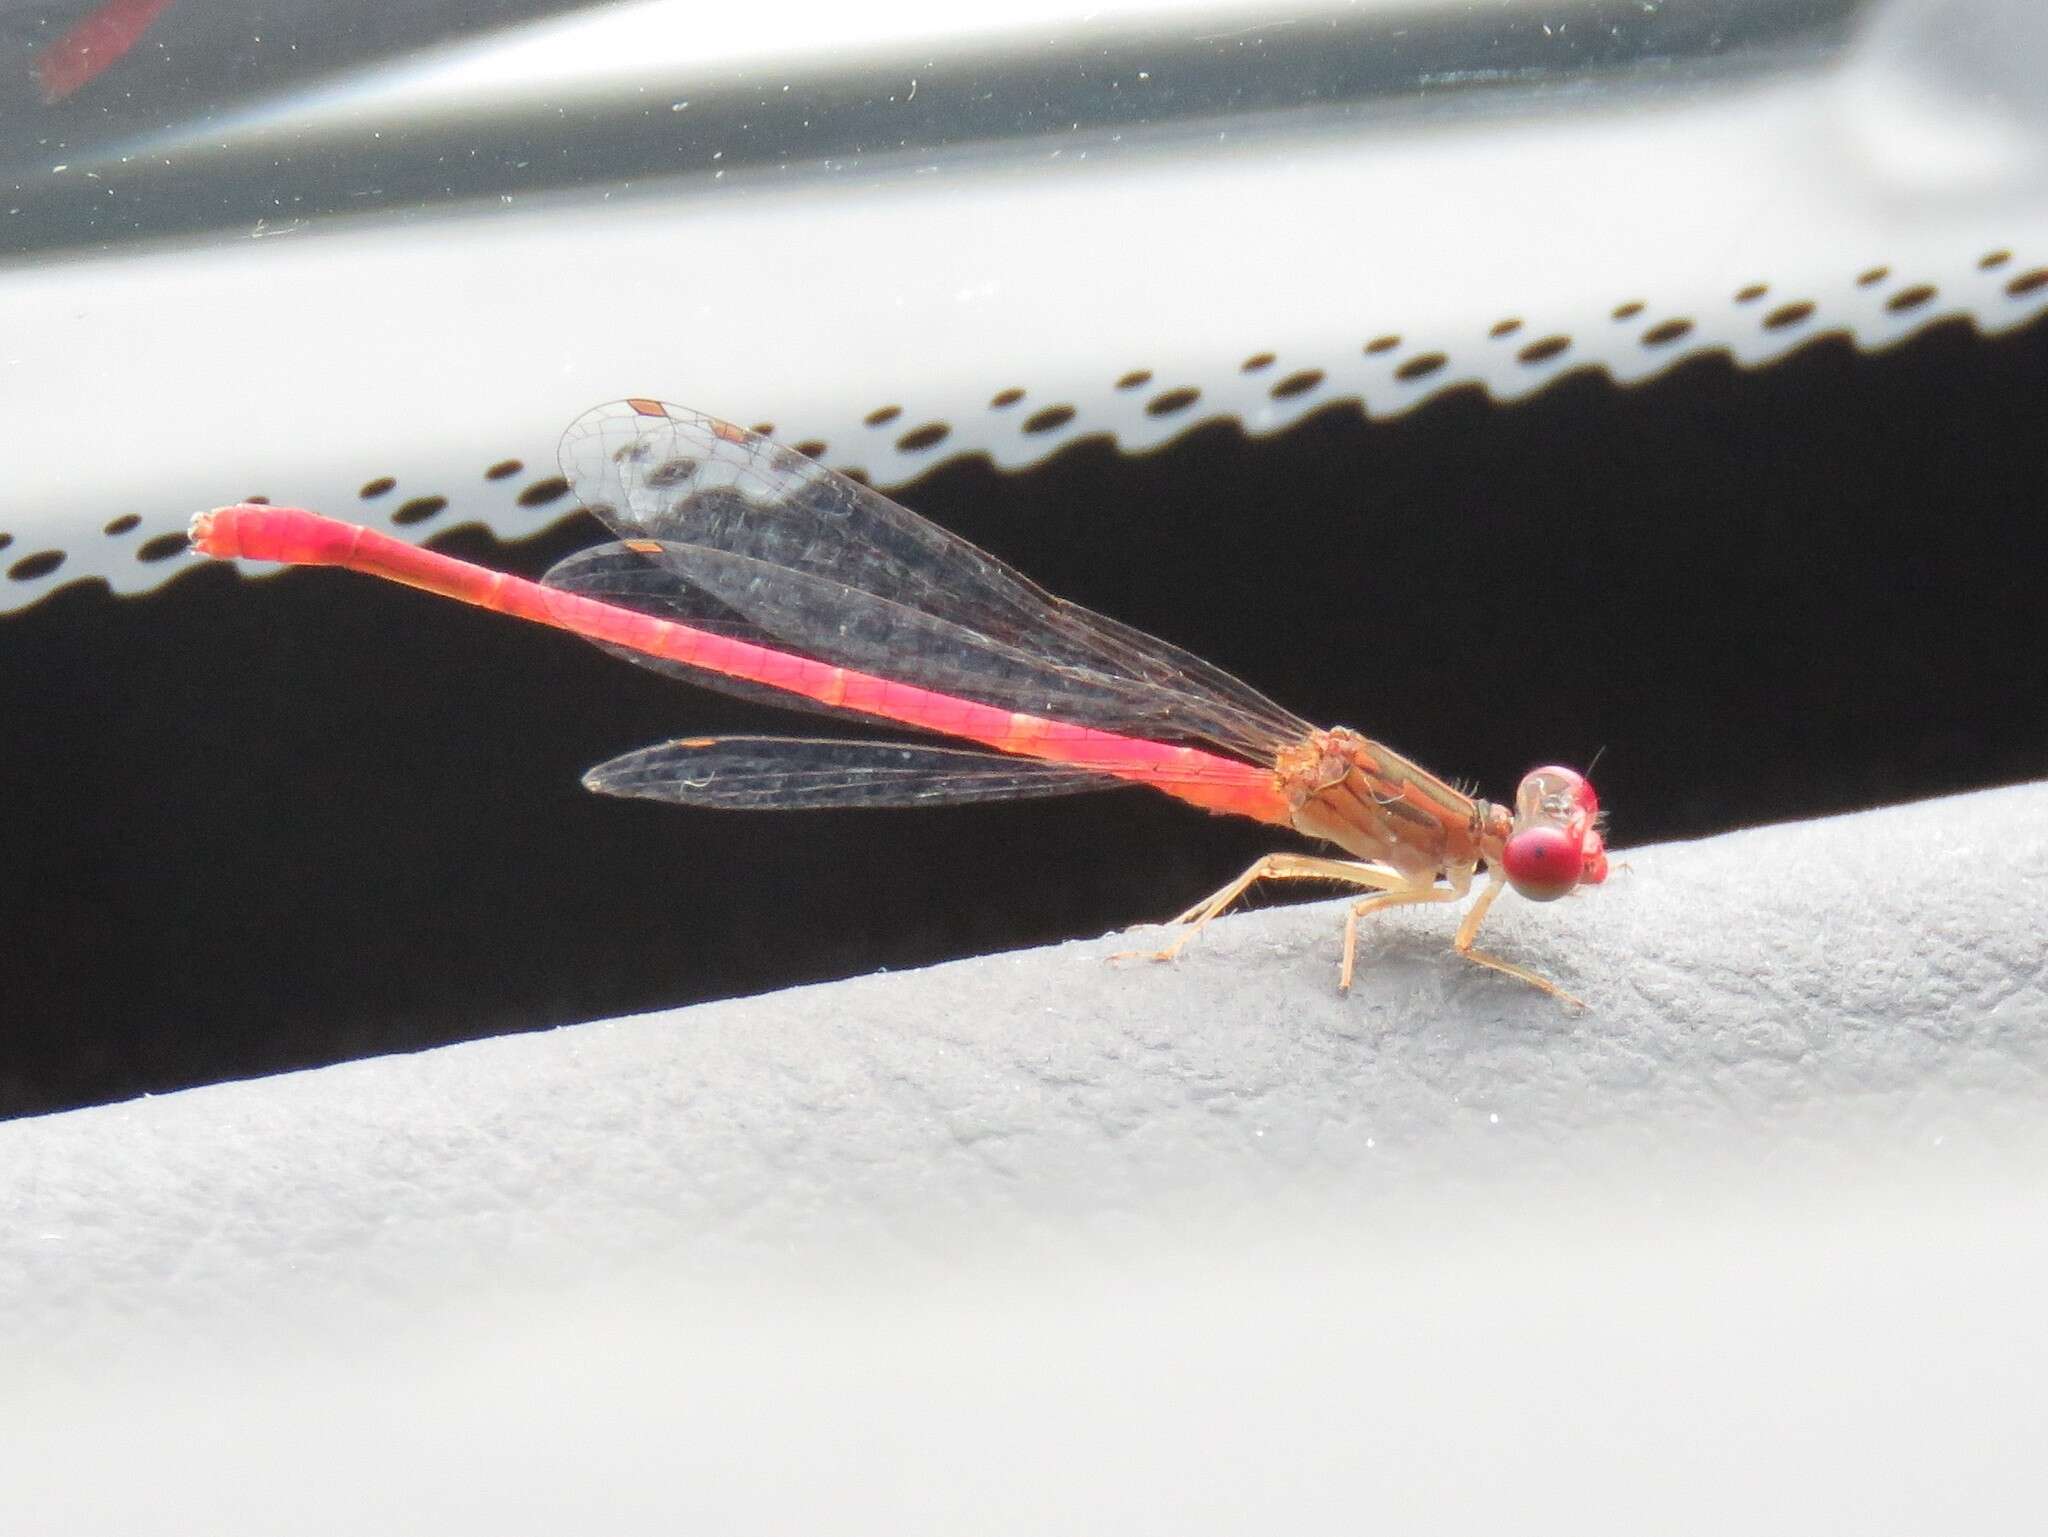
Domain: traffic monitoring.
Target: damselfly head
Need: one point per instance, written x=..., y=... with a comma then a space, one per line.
x=1554, y=845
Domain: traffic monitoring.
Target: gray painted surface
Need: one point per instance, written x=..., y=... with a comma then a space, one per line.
x=1035, y=1239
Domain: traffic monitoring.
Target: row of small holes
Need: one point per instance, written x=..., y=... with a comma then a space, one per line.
x=418, y=510
x=34, y=567
x=1546, y=349
x=1543, y=350
x=1046, y=419
x=162, y=547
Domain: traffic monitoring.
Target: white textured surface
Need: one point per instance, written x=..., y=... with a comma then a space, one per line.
x=1758, y=1239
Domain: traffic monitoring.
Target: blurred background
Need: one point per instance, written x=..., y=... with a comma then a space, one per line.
x=1514, y=383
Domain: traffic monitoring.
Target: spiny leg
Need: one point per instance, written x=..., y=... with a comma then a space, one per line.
x=1277, y=867
x=1393, y=889
x=1386, y=899
x=1469, y=930
x=1300, y=867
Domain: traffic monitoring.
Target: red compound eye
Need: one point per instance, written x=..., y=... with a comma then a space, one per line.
x=1543, y=863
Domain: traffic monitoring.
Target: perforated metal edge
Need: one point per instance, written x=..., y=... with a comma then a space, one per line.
x=1010, y=314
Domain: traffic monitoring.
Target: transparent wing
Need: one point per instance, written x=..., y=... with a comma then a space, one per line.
x=762, y=773
x=615, y=573
x=735, y=533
